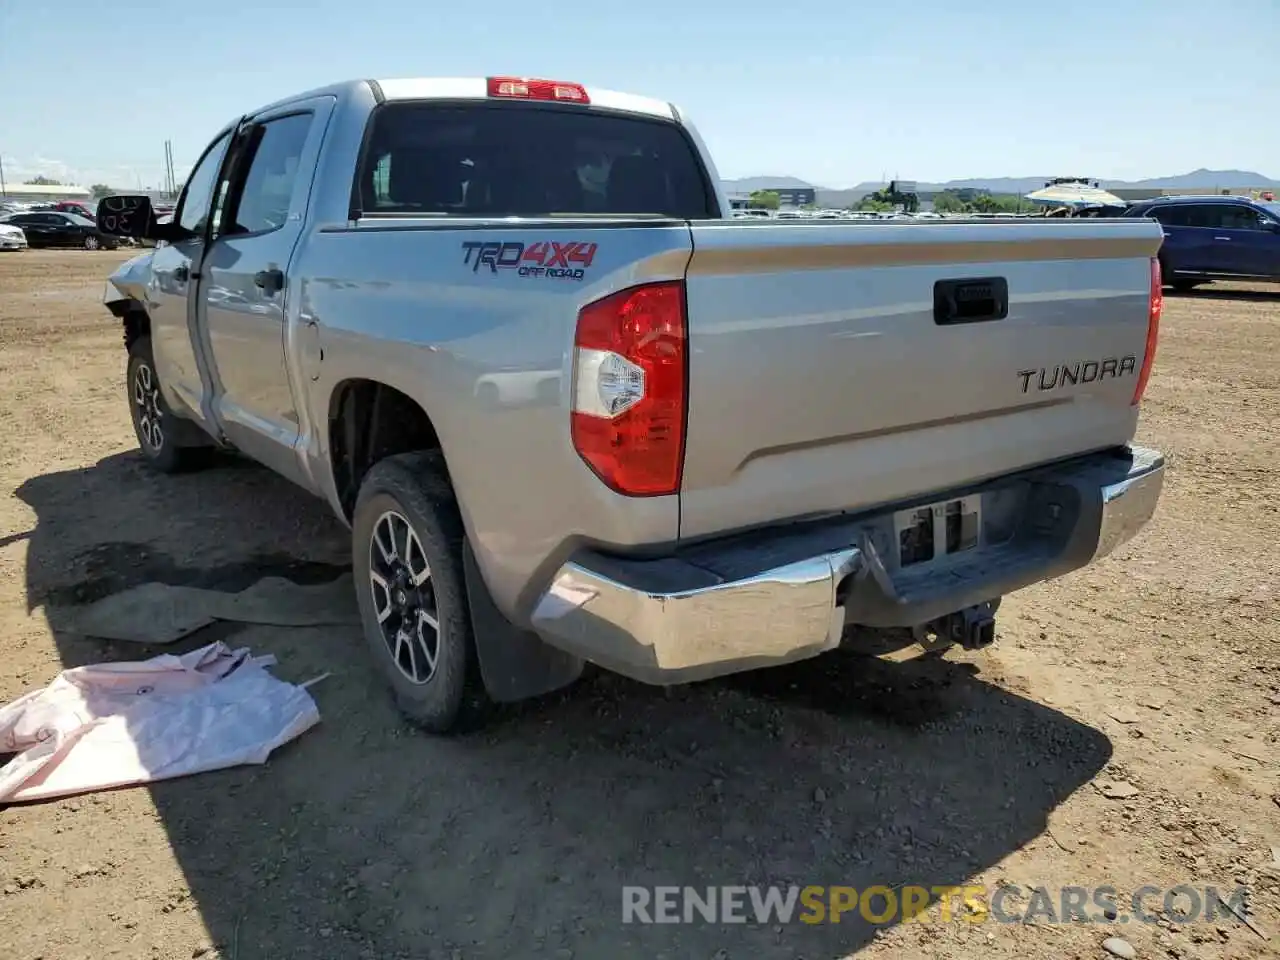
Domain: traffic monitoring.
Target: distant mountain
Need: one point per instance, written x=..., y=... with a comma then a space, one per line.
x=748, y=184
x=1202, y=178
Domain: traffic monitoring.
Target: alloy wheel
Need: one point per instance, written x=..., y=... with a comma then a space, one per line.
x=404, y=597
x=146, y=400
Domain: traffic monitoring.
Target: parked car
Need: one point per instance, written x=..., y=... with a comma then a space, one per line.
x=1215, y=238
x=572, y=411
x=12, y=237
x=51, y=229
x=80, y=208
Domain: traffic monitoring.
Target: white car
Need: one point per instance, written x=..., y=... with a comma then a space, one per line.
x=12, y=237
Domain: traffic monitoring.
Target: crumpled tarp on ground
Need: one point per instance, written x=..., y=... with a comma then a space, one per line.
x=160, y=613
x=121, y=724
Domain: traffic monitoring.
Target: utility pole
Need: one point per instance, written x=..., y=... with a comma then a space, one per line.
x=170, y=178
x=4, y=191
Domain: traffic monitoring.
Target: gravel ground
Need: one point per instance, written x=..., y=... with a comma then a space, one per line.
x=1122, y=730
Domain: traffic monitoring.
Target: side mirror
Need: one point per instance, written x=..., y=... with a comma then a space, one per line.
x=126, y=216
x=133, y=216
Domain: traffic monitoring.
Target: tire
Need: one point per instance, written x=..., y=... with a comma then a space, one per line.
x=92, y=243
x=1184, y=286
x=409, y=504
x=160, y=434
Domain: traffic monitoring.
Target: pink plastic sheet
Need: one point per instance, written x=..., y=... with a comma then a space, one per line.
x=119, y=724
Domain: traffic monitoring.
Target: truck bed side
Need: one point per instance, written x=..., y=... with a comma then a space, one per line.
x=487, y=352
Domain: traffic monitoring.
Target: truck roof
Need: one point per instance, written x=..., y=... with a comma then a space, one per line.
x=471, y=88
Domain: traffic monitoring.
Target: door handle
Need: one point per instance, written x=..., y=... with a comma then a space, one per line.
x=269, y=280
x=1222, y=238
x=182, y=274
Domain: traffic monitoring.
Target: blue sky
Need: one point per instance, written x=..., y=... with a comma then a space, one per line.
x=833, y=92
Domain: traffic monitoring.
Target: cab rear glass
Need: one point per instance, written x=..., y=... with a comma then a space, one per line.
x=485, y=159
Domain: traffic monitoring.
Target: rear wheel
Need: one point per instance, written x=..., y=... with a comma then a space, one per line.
x=407, y=553
x=160, y=433
x=91, y=242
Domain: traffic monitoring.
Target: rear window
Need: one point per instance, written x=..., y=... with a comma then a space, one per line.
x=517, y=159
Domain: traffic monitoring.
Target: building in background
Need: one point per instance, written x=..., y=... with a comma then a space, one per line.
x=794, y=196
x=38, y=192
x=787, y=197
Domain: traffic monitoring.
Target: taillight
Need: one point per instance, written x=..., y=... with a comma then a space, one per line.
x=524, y=88
x=629, y=373
x=1155, y=306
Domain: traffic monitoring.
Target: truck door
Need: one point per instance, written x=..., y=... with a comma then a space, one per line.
x=174, y=266
x=246, y=298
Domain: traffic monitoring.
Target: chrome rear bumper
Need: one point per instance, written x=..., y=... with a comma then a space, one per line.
x=771, y=598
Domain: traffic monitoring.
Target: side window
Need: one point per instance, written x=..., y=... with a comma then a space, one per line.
x=1240, y=217
x=273, y=171
x=198, y=195
x=1213, y=216
x=1166, y=215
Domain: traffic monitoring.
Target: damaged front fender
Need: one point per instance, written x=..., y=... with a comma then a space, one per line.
x=128, y=283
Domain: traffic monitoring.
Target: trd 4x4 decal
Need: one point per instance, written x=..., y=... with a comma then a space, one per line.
x=544, y=258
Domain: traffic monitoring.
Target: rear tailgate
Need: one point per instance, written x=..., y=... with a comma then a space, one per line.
x=820, y=380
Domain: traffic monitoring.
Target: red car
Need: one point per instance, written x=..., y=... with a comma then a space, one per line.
x=80, y=207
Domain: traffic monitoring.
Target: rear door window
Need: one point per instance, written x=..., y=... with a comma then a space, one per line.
x=1172, y=215
x=1212, y=216
x=515, y=159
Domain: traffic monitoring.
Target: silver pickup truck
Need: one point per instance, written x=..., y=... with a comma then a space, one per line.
x=572, y=412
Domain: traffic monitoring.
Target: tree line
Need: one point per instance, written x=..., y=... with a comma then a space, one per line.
x=948, y=201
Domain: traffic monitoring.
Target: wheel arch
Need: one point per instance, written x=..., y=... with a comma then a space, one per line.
x=134, y=319
x=367, y=421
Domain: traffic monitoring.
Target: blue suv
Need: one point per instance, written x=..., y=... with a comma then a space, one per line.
x=1215, y=238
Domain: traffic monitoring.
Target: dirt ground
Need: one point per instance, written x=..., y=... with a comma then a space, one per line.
x=1159, y=669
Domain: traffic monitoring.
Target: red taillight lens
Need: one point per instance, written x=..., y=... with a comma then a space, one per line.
x=524, y=88
x=1155, y=306
x=629, y=373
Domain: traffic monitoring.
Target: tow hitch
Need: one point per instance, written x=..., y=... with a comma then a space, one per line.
x=972, y=628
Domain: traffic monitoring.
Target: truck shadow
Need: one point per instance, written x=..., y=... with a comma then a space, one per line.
x=364, y=839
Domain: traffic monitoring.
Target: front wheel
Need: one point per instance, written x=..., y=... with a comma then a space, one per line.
x=407, y=556
x=91, y=242
x=159, y=432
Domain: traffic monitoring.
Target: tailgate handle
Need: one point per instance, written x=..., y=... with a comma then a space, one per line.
x=970, y=300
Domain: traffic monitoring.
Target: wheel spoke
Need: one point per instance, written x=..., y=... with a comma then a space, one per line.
x=412, y=546
x=430, y=645
x=401, y=544
x=380, y=583
x=403, y=651
x=388, y=552
x=429, y=619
